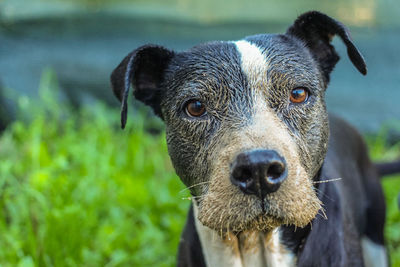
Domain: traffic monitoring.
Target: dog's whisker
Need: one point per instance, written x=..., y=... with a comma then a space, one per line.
x=187, y=188
x=327, y=181
x=323, y=215
x=193, y=197
x=323, y=194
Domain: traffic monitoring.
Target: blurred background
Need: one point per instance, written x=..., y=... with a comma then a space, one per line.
x=74, y=189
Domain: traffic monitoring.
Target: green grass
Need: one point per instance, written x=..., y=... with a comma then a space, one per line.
x=76, y=190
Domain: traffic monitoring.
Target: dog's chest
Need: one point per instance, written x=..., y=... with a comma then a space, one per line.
x=259, y=249
x=252, y=249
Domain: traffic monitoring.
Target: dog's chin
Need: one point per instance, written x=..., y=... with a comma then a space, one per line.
x=261, y=222
x=250, y=214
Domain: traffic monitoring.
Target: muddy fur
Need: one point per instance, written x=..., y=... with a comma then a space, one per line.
x=247, y=103
x=252, y=111
x=223, y=207
x=245, y=87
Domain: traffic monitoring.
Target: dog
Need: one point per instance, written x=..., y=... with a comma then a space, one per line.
x=275, y=180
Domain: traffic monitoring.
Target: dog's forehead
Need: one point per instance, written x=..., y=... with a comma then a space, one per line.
x=229, y=62
x=208, y=60
x=282, y=52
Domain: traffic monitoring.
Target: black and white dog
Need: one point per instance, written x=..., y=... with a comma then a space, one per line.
x=275, y=180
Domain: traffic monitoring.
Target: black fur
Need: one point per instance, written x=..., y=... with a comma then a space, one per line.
x=331, y=241
x=212, y=73
x=144, y=68
x=316, y=30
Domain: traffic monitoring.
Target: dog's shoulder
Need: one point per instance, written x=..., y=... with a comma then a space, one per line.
x=345, y=139
x=347, y=158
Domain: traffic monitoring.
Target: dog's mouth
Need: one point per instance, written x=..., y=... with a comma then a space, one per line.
x=263, y=203
x=225, y=208
x=257, y=216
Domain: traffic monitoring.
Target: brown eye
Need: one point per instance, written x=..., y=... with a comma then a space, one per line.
x=299, y=95
x=195, y=108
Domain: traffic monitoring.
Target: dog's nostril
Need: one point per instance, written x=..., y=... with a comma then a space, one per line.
x=275, y=171
x=243, y=178
x=243, y=175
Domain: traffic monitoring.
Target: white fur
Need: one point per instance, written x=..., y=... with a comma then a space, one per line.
x=374, y=255
x=276, y=255
x=217, y=253
x=254, y=63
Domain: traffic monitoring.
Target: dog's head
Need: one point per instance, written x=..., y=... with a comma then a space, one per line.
x=246, y=121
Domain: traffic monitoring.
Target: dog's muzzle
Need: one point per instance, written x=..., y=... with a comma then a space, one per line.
x=258, y=172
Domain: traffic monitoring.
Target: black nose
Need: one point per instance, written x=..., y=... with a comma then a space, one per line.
x=258, y=172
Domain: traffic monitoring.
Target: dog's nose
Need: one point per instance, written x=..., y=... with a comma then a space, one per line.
x=258, y=172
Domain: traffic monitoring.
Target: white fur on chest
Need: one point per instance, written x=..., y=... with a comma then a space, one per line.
x=266, y=252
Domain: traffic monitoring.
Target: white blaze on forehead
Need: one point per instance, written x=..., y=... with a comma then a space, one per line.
x=254, y=64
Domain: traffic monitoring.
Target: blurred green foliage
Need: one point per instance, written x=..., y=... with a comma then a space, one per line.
x=75, y=190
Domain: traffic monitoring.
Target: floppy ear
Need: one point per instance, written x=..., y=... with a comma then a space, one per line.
x=317, y=30
x=143, y=68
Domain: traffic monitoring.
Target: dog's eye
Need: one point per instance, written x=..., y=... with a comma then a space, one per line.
x=298, y=95
x=195, y=108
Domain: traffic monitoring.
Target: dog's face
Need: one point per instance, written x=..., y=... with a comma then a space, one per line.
x=245, y=89
x=246, y=121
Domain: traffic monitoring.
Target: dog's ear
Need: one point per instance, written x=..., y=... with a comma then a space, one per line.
x=317, y=30
x=144, y=68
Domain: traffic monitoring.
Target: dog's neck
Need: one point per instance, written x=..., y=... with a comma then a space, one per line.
x=247, y=249
x=277, y=248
